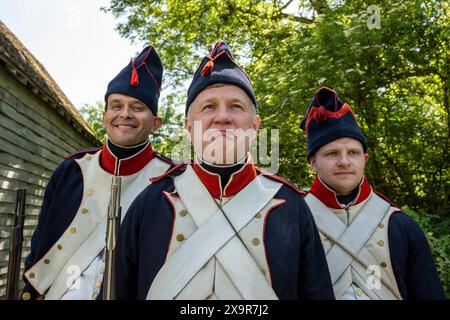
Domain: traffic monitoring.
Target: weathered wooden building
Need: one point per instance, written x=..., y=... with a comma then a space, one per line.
x=38, y=127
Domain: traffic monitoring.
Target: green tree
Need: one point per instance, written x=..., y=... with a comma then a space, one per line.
x=171, y=139
x=93, y=114
x=395, y=74
x=392, y=78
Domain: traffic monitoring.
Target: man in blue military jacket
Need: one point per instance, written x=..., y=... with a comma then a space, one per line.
x=67, y=257
x=220, y=228
x=374, y=250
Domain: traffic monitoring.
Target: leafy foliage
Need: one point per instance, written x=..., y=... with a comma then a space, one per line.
x=439, y=240
x=396, y=77
x=171, y=139
x=93, y=114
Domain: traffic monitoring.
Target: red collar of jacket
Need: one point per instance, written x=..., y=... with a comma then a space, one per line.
x=237, y=182
x=126, y=166
x=324, y=193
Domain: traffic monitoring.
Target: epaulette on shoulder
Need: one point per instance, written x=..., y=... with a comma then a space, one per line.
x=164, y=158
x=181, y=167
x=283, y=181
x=386, y=199
x=82, y=152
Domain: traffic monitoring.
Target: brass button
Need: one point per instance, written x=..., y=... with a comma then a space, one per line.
x=102, y=271
x=381, y=225
x=180, y=237
x=94, y=296
x=258, y=216
x=31, y=275
x=359, y=293
x=46, y=261
x=183, y=213
x=84, y=211
x=73, y=230
x=88, y=158
x=26, y=296
x=255, y=241
x=59, y=247
x=89, y=192
x=383, y=264
x=98, y=283
x=380, y=243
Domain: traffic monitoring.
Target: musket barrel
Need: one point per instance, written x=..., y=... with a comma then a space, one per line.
x=112, y=235
x=15, y=245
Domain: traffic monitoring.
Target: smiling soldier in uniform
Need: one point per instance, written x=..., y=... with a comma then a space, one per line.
x=67, y=257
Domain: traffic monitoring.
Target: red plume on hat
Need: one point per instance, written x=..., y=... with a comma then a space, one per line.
x=219, y=67
x=141, y=78
x=326, y=104
x=220, y=48
x=134, y=75
x=134, y=81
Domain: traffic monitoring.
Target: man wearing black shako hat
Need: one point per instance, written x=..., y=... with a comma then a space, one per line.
x=219, y=227
x=67, y=249
x=374, y=250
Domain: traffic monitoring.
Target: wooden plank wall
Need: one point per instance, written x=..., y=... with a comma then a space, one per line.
x=33, y=140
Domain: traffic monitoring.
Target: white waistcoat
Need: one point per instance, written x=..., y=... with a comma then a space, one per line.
x=238, y=269
x=370, y=275
x=60, y=268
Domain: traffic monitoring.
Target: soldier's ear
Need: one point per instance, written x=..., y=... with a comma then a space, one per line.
x=313, y=163
x=257, y=123
x=157, y=123
x=187, y=128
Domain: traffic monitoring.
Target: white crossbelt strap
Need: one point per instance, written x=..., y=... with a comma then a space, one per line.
x=216, y=237
x=353, y=238
x=324, y=217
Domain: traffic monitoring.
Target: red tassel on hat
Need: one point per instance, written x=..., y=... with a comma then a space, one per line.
x=207, y=68
x=134, y=77
x=321, y=114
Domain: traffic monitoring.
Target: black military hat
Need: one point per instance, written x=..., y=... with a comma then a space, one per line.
x=328, y=119
x=140, y=79
x=219, y=67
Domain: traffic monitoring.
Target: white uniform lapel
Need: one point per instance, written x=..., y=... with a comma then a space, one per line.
x=200, y=247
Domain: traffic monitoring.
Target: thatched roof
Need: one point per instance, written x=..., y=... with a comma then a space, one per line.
x=28, y=70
